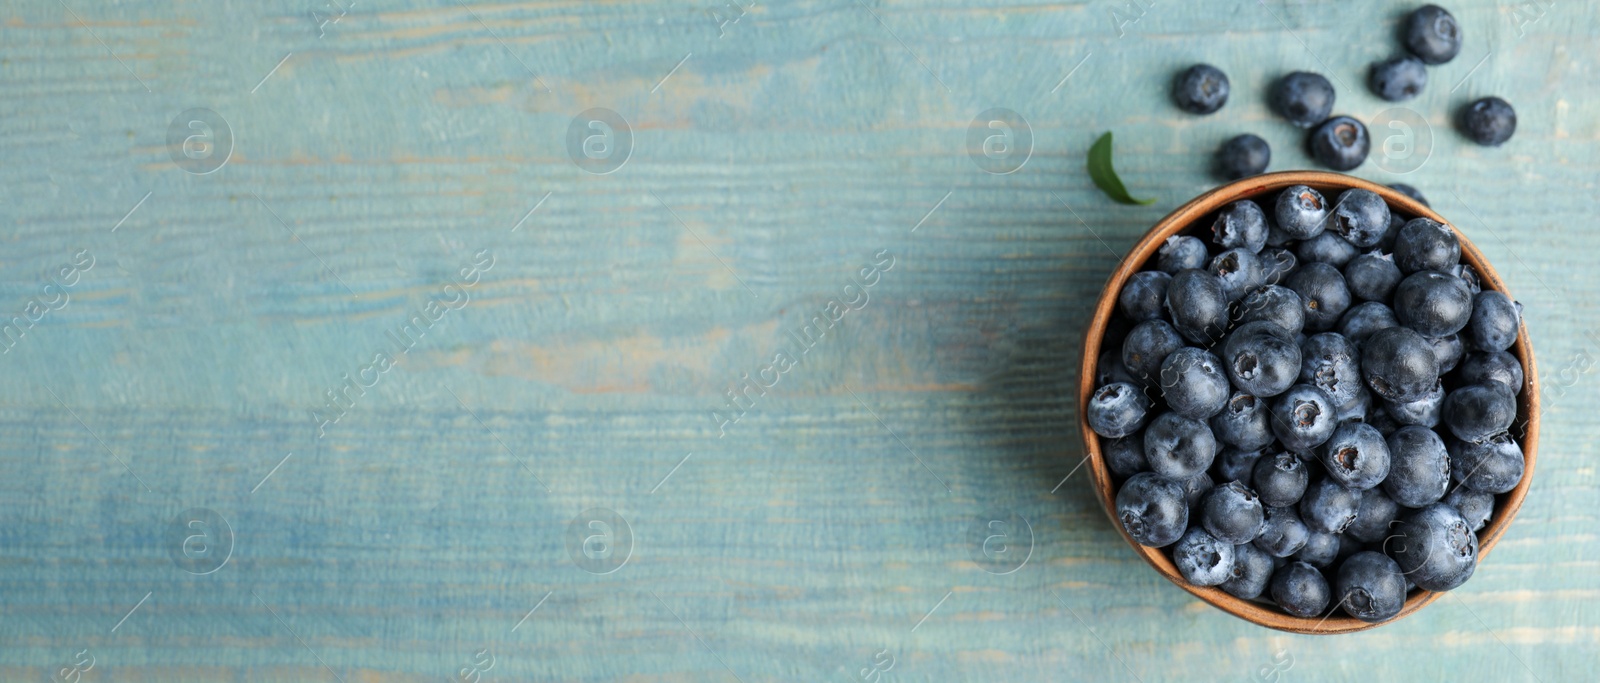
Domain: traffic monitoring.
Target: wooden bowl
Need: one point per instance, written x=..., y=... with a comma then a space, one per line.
x=1186, y=220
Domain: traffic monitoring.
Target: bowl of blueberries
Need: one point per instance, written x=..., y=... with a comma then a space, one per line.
x=1308, y=400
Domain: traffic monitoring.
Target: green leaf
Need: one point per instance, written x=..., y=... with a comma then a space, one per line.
x=1105, y=177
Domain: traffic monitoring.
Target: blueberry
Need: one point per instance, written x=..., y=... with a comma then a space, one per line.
x=1241, y=225
x=1328, y=507
x=1281, y=479
x=1370, y=587
x=1478, y=411
x=1152, y=510
x=1321, y=286
x=1467, y=275
x=1329, y=362
x=1304, y=98
x=1117, y=410
x=1447, y=350
x=1489, y=122
x=1423, y=412
x=1299, y=589
x=1373, y=516
x=1365, y=318
x=1147, y=345
x=1398, y=364
x=1282, y=534
x=1327, y=248
x=1426, y=244
x=1108, y=369
x=1236, y=465
x=1494, y=321
x=1125, y=456
x=1240, y=271
x=1340, y=143
x=1395, y=223
x=1261, y=359
x=1411, y=192
x=1301, y=212
x=1276, y=264
x=1243, y=424
x=1178, y=447
x=1200, y=89
x=1145, y=295
x=1435, y=547
x=1243, y=156
x=1232, y=513
x=1320, y=550
x=1381, y=421
x=1303, y=417
x=1360, y=217
x=1432, y=303
x=1274, y=304
x=1494, y=465
x=1252, y=569
x=1181, y=252
x=1194, y=488
x=1198, y=306
x=1433, y=35
x=1193, y=383
x=1356, y=456
x=1398, y=78
x=1419, y=467
x=1357, y=408
x=1475, y=507
x=1203, y=559
x=1482, y=368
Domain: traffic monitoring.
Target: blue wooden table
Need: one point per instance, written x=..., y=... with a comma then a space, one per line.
x=569, y=341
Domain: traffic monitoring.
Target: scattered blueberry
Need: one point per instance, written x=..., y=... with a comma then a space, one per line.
x=1305, y=98
x=1435, y=547
x=1117, y=410
x=1398, y=78
x=1356, y=456
x=1494, y=465
x=1193, y=383
x=1322, y=288
x=1178, y=447
x=1478, y=411
x=1281, y=479
x=1426, y=244
x=1432, y=303
x=1252, y=569
x=1145, y=295
x=1299, y=589
x=1303, y=417
x=1419, y=467
x=1301, y=212
x=1433, y=35
x=1340, y=143
x=1398, y=364
x=1203, y=559
x=1489, y=122
x=1243, y=156
x=1152, y=510
x=1232, y=513
x=1370, y=587
x=1360, y=217
x=1200, y=89
x=1494, y=321
x=1181, y=252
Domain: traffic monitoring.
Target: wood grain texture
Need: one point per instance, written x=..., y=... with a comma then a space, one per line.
x=784, y=154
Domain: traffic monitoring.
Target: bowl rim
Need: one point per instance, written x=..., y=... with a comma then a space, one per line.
x=1256, y=187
